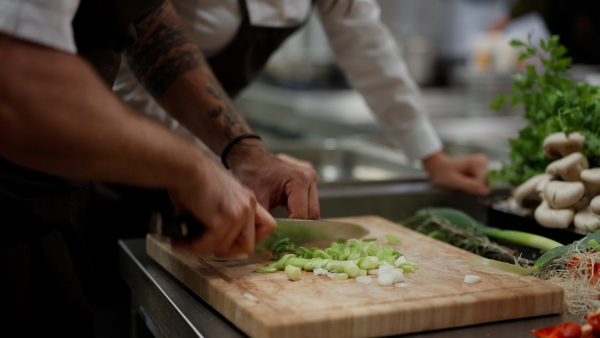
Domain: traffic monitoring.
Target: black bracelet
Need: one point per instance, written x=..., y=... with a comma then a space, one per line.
x=234, y=142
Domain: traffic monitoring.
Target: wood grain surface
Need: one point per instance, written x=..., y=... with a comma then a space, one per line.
x=318, y=306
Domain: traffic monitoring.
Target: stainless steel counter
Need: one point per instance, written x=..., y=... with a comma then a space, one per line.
x=167, y=308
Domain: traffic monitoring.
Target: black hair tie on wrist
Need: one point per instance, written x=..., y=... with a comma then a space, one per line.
x=234, y=142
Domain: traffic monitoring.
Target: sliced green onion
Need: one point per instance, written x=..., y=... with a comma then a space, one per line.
x=351, y=259
x=266, y=269
x=340, y=276
x=368, y=263
x=339, y=266
x=408, y=268
x=296, y=261
x=522, y=238
x=351, y=269
x=393, y=239
x=293, y=272
x=502, y=266
x=280, y=265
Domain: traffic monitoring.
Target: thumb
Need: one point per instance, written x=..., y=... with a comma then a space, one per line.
x=265, y=224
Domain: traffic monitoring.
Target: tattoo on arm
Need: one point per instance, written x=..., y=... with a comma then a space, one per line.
x=234, y=126
x=165, y=50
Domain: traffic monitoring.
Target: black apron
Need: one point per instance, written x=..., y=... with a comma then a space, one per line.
x=242, y=60
x=44, y=266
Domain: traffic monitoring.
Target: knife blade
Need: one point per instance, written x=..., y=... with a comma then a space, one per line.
x=299, y=231
x=317, y=233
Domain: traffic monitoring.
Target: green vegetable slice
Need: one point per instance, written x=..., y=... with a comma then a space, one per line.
x=462, y=219
x=293, y=272
x=502, y=266
x=265, y=269
x=352, y=258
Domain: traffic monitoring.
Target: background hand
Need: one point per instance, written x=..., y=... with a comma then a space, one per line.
x=465, y=173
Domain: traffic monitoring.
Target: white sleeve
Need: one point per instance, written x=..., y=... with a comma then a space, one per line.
x=372, y=62
x=46, y=22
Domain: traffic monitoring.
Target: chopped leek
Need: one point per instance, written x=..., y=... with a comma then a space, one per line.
x=393, y=239
x=502, y=266
x=354, y=258
x=340, y=276
x=462, y=219
x=266, y=269
x=293, y=272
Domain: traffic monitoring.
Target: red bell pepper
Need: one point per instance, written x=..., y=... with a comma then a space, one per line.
x=565, y=330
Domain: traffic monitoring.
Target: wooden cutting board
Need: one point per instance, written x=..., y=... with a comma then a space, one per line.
x=318, y=306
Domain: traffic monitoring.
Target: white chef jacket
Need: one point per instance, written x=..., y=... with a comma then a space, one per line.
x=44, y=22
x=363, y=46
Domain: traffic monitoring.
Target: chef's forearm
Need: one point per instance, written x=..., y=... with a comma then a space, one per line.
x=58, y=117
x=170, y=64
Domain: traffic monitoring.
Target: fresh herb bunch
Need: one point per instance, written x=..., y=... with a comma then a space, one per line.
x=552, y=103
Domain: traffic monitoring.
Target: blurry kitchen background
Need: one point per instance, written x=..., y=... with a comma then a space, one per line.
x=302, y=104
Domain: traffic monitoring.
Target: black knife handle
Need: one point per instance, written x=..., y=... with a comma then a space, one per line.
x=182, y=227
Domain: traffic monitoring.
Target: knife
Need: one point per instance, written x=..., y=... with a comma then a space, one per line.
x=299, y=231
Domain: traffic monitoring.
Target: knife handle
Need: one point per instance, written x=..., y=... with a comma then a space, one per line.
x=181, y=227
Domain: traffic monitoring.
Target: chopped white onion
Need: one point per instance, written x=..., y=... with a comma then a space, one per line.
x=385, y=269
x=401, y=260
x=320, y=271
x=331, y=274
x=386, y=279
x=251, y=297
x=363, y=279
x=398, y=275
x=373, y=272
x=472, y=279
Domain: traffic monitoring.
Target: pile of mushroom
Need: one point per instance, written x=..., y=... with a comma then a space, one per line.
x=568, y=192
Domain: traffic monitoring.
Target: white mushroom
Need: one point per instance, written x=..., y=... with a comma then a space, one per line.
x=539, y=188
x=553, y=218
x=516, y=208
x=586, y=220
x=560, y=194
x=569, y=167
x=591, y=179
x=559, y=144
x=595, y=205
x=583, y=203
x=526, y=195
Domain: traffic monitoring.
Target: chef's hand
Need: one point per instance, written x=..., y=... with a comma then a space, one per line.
x=281, y=180
x=465, y=173
x=234, y=220
x=296, y=161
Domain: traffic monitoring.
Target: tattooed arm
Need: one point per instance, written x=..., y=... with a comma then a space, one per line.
x=59, y=118
x=168, y=62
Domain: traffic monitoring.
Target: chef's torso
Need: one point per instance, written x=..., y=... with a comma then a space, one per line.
x=215, y=23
